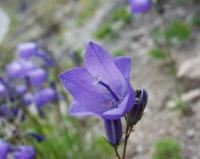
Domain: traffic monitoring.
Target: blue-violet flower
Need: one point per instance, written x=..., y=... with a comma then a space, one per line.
x=102, y=86
x=139, y=6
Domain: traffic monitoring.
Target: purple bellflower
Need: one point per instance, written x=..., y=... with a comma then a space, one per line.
x=21, y=89
x=4, y=148
x=139, y=6
x=24, y=152
x=7, y=112
x=44, y=96
x=27, y=99
x=19, y=68
x=27, y=50
x=31, y=49
x=37, y=76
x=101, y=88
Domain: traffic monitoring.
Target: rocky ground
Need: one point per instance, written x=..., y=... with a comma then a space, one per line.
x=161, y=120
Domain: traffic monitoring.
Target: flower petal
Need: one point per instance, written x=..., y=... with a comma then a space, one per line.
x=113, y=129
x=124, y=65
x=140, y=6
x=24, y=152
x=37, y=77
x=85, y=90
x=4, y=149
x=44, y=96
x=77, y=110
x=27, y=50
x=100, y=64
x=122, y=109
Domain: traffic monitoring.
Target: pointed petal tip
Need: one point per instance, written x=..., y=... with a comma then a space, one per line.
x=63, y=74
x=91, y=43
x=60, y=76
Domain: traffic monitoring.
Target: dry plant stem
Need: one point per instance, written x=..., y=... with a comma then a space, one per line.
x=127, y=134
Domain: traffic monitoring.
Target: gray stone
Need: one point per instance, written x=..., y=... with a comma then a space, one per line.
x=190, y=69
x=4, y=26
x=190, y=133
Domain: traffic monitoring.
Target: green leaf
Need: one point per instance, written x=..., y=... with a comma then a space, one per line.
x=196, y=21
x=157, y=53
x=121, y=14
x=167, y=149
x=103, y=31
x=118, y=53
x=178, y=30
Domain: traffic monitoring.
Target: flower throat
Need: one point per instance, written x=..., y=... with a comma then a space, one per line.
x=109, y=90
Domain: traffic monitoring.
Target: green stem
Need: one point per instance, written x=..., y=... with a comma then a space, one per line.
x=127, y=134
x=116, y=152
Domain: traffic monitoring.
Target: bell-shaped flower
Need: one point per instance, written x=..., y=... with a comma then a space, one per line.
x=21, y=89
x=8, y=112
x=4, y=149
x=36, y=77
x=44, y=96
x=102, y=86
x=30, y=49
x=24, y=152
x=19, y=68
x=139, y=6
x=27, y=50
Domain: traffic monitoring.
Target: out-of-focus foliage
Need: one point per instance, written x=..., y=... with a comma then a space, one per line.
x=181, y=106
x=121, y=14
x=167, y=149
x=103, y=31
x=175, y=31
x=157, y=53
x=87, y=9
x=196, y=21
x=68, y=142
x=119, y=53
x=114, y=22
x=178, y=30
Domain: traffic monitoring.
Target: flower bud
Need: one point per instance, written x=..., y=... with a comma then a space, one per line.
x=37, y=137
x=140, y=103
x=113, y=129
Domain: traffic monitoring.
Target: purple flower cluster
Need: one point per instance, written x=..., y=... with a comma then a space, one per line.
x=102, y=88
x=17, y=152
x=26, y=81
x=139, y=6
